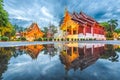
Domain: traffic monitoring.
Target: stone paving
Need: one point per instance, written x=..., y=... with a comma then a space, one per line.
x=7, y=44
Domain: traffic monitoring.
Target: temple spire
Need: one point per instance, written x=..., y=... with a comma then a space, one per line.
x=66, y=11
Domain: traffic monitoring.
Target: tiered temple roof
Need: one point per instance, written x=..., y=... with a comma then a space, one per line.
x=33, y=32
x=80, y=18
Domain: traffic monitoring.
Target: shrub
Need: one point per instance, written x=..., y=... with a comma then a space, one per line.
x=23, y=39
x=54, y=39
x=45, y=39
x=94, y=38
x=18, y=39
x=50, y=39
x=83, y=39
x=62, y=39
x=4, y=38
x=118, y=38
x=39, y=39
x=72, y=39
x=90, y=39
x=110, y=39
x=87, y=39
x=67, y=39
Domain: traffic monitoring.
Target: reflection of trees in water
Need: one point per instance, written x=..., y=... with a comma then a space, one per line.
x=5, y=55
x=18, y=52
x=110, y=53
x=49, y=49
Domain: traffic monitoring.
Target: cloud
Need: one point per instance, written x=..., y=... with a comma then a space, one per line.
x=45, y=11
x=51, y=11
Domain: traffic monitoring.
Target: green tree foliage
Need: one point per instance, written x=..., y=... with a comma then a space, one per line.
x=45, y=30
x=117, y=30
x=52, y=27
x=110, y=27
x=106, y=25
x=3, y=15
x=6, y=28
x=19, y=28
x=113, y=24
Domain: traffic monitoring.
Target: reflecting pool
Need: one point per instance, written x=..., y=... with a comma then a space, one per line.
x=68, y=61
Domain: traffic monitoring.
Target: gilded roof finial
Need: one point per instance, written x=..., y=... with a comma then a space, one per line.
x=66, y=10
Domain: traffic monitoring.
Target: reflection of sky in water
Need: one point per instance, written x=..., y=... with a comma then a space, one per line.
x=26, y=68
x=45, y=67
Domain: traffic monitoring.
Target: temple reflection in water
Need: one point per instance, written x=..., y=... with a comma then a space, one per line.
x=74, y=55
x=80, y=56
x=32, y=50
x=71, y=55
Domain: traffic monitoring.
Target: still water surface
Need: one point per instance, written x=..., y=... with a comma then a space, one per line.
x=69, y=61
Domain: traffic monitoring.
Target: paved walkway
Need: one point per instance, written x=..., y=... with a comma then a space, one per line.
x=7, y=44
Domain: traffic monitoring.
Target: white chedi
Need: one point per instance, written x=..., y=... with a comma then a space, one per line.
x=59, y=33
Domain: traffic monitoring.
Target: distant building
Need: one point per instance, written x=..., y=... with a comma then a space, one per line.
x=18, y=35
x=50, y=33
x=81, y=26
x=33, y=32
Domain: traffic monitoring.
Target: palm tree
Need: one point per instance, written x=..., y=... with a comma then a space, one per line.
x=113, y=24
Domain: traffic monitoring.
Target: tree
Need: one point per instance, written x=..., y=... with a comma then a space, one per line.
x=3, y=15
x=110, y=27
x=117, y=30
x=19, y=28
x=45, y=30
x=6, y=27
x=52, y=27
x=113, y=24
x=105, y=25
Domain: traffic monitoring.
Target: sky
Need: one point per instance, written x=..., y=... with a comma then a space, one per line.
x=46, y=12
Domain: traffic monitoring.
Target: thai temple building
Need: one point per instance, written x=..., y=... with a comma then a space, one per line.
x=80, y=25
x=33, y=32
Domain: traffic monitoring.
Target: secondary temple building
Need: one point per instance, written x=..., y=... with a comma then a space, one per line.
x=33, y=32
x=80, y=25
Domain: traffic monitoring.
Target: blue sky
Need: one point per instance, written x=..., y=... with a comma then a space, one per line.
x=44, y=12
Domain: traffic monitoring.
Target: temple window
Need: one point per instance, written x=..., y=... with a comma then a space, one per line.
x=74, y=32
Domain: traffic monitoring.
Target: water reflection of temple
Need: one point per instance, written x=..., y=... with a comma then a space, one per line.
x=32, y=50
x=80, y=56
